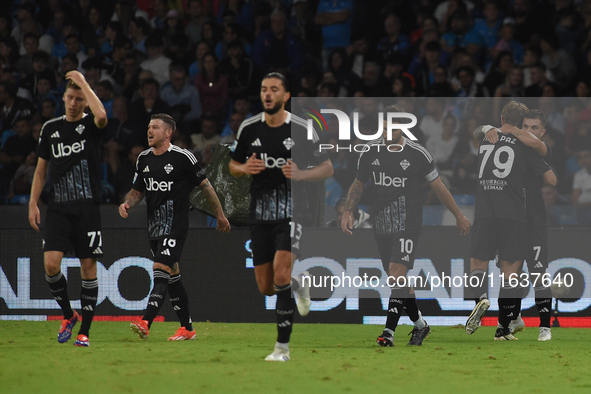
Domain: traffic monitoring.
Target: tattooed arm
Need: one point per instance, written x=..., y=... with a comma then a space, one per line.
x=214, y=202
x=131, y=200
x=353, y=198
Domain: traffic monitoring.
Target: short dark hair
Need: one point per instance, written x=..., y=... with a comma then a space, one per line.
x=537, y=114
x=167, y=119
x=280, y=77
x=150, y=81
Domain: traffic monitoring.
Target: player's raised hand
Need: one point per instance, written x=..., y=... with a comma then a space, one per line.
x=347, y=222
x=76, y=76
x=123, y=208
x=34, y=217
x=253, y=165
x=463, y=225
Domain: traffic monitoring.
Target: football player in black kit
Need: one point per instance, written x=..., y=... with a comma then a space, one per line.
x=532, y=130
x=264, y=150
x=166, y=175
x=72, y=144
x=500, y=225
x=396, y=169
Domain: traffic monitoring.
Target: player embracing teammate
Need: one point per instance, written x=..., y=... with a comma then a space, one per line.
x=507, y=218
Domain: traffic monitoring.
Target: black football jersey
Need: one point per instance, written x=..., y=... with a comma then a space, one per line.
x=536, y=209
x=395, y=179
x=73, y=150
x=271, y=192
x=502, y=172
x=168, y=180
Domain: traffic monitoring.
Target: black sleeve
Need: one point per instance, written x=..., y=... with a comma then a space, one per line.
x=195, y=171
x=363, y=167
x=548, y=157
x=43, y=148
x=429, y=172
x=536, y=162
x=138, y=181
x=239, y=149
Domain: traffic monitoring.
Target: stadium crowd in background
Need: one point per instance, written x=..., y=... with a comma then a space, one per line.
x=202, y=61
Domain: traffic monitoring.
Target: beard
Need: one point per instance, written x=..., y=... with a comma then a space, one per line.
x=274, y=109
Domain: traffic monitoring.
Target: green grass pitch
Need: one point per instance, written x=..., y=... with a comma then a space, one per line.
x=326, y=358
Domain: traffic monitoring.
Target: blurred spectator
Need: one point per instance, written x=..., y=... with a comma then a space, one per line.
x=278, y=49
x=93, y=31
x=121, y=134
x=8, y=52
x=43, y=93
x=582, y=181
x=498, y=71
x=448, y=7
x=160, y=10
x=558, y=61
x=359, y=53
x=12, y=107
x=212, y=87
x=464, y=159
x=237, y=68
x=149, y=103
x=208, y=136
x=69, y=63
x=459, y=34
x=361, y=219
x=173, y=27
x=231, y=33
x=182, y=96
x=25, y=64
x=394, y=42
x=527, y=21
x=513, y=85
x=179, y=51
x=335, y=19
x=468, y=87
x=339, y=65
x=432, y=123
x=123, y=177
x=104, y=91
x=41, y=69
x=197, y=17
x=156, y=62
x=129, y=80
x=19, y=189
x=373, y=83
x=423, y=69
x=532, y=57
x=551, y=200
x=489, y=26
x=138, y=31
x=537, y=73
x=233, y=125
x=15, y=151
x=113, y=31
x=74, y=47
x=442, y=145
x=202, y=48
x=507, y=42
x=49, y=109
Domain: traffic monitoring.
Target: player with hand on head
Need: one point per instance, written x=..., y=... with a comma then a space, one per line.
x=500, y=225
x=166, y=175
x=71, y=143
x=396, y=175
x=530, y=134
x=263, y=150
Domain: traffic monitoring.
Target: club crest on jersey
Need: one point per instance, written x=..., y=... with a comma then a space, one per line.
x=168, y=168
x=80, y=128
x=289, y=143
x=404, y=164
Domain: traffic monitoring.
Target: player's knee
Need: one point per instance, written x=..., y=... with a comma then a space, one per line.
x=52, y=267
x=266, y=289
x=163, y=267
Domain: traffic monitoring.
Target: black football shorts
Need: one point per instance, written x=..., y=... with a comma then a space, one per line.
x=266, y=239
x=75, y=227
